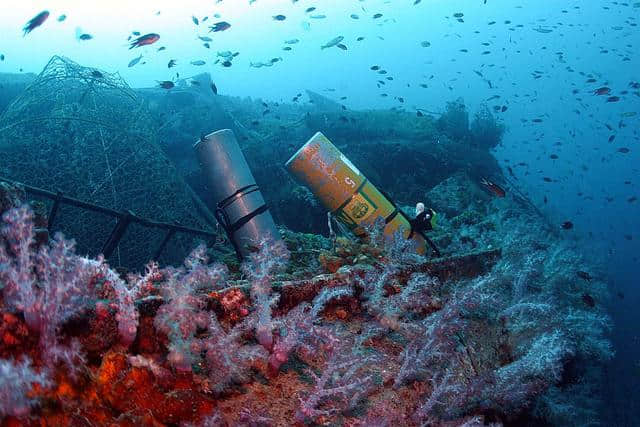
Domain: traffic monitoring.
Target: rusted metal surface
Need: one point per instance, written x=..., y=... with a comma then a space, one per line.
x=293, y=292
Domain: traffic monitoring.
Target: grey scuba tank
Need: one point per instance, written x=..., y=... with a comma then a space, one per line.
x=239, y=205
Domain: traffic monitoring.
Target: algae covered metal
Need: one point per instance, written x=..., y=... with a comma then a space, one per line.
x=346, y=192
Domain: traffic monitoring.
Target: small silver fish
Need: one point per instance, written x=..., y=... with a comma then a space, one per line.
x=261, y=64
x=332, y=42
x=134, y=61
x=198, y=62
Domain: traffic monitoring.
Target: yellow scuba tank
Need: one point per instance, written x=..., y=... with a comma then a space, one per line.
x=345, y=192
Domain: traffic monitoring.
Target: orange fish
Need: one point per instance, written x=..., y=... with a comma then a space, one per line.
x=494, y=188
x=145, y=40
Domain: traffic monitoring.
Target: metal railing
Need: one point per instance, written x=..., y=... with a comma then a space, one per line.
x=124, y=219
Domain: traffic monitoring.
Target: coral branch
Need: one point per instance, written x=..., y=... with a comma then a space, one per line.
x=16, y=382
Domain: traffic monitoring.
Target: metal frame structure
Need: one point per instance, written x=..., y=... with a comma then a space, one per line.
x=124, y=219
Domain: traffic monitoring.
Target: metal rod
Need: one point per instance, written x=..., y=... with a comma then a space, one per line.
x=117, y=233
x=64, y=199
x=164, y=242
x=54, y=210
x=110, y=212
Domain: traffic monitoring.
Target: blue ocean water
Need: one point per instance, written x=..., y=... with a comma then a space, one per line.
x=562, y=76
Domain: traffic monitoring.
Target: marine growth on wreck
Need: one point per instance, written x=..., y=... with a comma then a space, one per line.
x=173, y=255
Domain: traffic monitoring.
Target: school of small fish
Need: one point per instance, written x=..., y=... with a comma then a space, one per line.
x=590, y=90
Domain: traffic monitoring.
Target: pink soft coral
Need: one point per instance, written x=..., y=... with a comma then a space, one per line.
x=50, y=284
x=260, y=268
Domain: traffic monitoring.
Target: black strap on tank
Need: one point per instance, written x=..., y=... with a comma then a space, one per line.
x=223, y=218
x=248, y=217
x=392, y=215
x=346, y=202
x=225, y=202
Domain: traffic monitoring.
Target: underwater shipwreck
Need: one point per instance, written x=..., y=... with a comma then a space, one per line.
x=206, y=284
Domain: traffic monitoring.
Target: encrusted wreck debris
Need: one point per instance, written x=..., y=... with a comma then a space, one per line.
x=312, y=331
